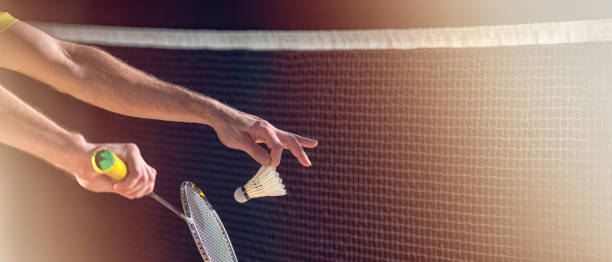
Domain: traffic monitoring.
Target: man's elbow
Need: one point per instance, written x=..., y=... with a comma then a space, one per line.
x=71, y=72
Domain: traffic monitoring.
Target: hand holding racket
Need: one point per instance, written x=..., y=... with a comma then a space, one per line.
x=140, y=182
x=205, y=225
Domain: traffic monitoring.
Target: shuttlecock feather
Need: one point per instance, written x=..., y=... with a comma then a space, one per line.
x=265, y=183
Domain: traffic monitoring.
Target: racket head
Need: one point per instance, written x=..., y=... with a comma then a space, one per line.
x=205, y=225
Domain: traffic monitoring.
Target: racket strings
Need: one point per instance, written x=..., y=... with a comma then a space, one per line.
x=207, y=227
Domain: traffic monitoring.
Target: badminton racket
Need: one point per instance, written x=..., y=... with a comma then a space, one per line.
x=206, y=227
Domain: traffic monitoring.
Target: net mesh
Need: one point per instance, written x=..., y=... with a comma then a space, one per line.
x=207, y=228
x=447, y=154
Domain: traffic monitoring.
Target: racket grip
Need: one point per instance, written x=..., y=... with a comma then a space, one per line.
x=106, y=162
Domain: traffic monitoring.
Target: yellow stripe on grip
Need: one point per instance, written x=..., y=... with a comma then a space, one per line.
x=106, y=162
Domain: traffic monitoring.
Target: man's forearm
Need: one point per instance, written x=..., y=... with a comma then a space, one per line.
x=98, y=78
x=103, y=80
x=24, y=128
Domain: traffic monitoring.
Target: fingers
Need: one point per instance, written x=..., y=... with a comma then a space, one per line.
x=147, y=185
x=291, y=142
x=132, y=185
x=142, y=187
x=256, y=152
x=152, y=184
x=274, y=143
x=304, y=141
x=245, y=135
x=132, y=182
x=140, y=178
x=277, y=140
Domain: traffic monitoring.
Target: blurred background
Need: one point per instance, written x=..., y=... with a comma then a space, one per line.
x=432, y=170
x=307, y=15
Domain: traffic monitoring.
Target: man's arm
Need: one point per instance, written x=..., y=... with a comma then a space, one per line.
x=98, y=78
x=24, y=128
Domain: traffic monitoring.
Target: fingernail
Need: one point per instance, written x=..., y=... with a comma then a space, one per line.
x=308, y=161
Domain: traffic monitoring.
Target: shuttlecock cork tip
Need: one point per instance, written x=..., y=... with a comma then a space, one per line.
x=239, y=195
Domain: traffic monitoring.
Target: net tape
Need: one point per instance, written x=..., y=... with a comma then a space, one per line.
x=461, y=37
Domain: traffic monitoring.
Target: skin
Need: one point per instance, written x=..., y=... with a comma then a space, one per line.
x=96, y=77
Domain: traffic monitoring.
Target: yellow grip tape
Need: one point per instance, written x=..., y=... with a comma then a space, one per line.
x=106, y=162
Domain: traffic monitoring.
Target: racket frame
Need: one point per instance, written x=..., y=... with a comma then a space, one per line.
x=192, y=228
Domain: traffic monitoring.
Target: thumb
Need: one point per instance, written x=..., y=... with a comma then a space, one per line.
x=257, y=152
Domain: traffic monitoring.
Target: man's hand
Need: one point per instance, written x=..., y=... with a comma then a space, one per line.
x=242, y=131
x=140, y=179
x=22, y=127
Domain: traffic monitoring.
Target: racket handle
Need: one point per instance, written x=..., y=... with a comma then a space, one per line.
x=106, y=162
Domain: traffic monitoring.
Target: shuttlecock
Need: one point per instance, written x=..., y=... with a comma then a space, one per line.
x=265, y=183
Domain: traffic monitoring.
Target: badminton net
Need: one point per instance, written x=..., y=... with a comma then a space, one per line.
x=478, y=144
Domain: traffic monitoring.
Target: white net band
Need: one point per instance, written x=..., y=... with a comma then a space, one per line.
x=482, y=36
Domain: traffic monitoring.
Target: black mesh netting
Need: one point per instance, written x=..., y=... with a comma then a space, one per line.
x=428, y=154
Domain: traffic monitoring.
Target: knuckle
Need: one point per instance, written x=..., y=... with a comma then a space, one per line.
x=135, y=182
x=132, y=195
x=131, y=147
x=277, y=146
x=294, y=141
x=84, y=183
x=128, y=186
x=262, y=123
x=140, y=173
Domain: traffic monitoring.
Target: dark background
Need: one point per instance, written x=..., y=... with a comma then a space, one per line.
x=307, y=15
